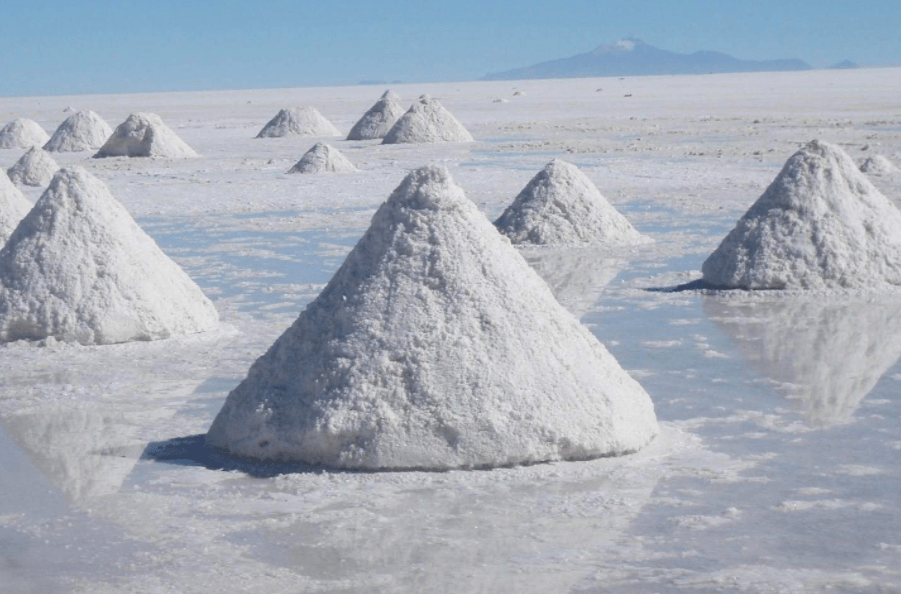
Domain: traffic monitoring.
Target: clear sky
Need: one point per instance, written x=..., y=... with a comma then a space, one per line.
x=103, y=46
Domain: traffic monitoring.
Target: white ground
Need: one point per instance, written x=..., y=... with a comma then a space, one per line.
x=779, y=463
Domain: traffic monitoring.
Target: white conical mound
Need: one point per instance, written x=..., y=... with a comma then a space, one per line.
x=878, y=165
x=323, y=158
x=376, y=122
x=13, y=207
x=22, y=133
x=821, y=224
x=427, y=121
x=144, y=135
x=560, y=206
x=298, y=121
x=82, y=131
x=79, y=269
x=35, y=168
x=434, y=346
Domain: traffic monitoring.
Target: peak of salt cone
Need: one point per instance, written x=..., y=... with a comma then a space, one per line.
x=878, y=165
x=820, y=224
x=35, y=168
x=323, y=158
x=560, y=206
x=420, y=353
x=389, y=94
x=298, y=121
x=376, y=122
x=78, y=268
x=81, y=131
x=144, y=135
x=22, y=133
x=427, y=121
x=13, y=207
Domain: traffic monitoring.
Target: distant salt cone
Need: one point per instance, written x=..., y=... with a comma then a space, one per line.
x=323, y=158
x=35, y=168
x=22, y=133
x=376, y=122
x=82, y=131
x=820, y=225
x=434, y=346
x=878, y=165
x=560, y=206
x=13, y=207
x=144, y=135
x=427, y=121
x=298, y=121
x=79, y=269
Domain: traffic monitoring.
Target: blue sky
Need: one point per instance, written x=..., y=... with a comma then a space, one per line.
x=102, y=46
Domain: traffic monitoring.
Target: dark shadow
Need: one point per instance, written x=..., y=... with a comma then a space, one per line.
x=695, y=285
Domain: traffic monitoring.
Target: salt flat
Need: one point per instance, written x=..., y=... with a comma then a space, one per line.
x=778, y=466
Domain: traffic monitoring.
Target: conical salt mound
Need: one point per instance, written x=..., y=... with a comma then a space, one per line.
x=878, y=165
x=78, y=268
x=35, y=168
x=434, y=346
x=323, y=158
x=298, y=121
x=427, y=121
x=820, y=225
x=82, y=131
x=144, y=135
x=560, y=206
x=376, y=122
x=13, y=207
x=22, y=133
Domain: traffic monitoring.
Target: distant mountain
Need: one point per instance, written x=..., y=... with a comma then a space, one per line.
x=633, y=57
x=844, y=65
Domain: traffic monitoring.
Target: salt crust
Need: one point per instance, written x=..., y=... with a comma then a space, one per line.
x=820, y=225
x=298, y=121
x=144, y=135
x=434, y=346
x=79, y=269
x=878, y=165
x=35, y=168
x=82, y=131
x=376, y=122
x=323, y=158
x=560, y=206
x=427, y=121
x=22, y=133
x=13, y=207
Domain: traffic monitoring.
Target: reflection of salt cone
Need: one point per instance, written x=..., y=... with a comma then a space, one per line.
x=576, y=276
x=827, y=355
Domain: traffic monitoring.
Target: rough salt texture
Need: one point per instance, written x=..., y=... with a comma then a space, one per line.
x=821, y=224
x=376, y=122
x=434, y=346
x=22, y=133
x=298, y=121
x=144, y=135
x=82, y=131
x=35, y=168
x=427, y=121
x=79, y=269
x=13, y=207
x=323, y=158
x=560, y=206
x=878, y=165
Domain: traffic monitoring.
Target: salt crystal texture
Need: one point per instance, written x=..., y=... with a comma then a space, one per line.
x=22, y=133
x=298, y=121
x=35, y=168
x=82, y=131
x=878, y=165
x=144, y=135
x=376, y=122
x=560, y=206
x=427, y=121
x=434, y=346
x=323, y=158
x=13, y=207
x=821, y=224
x=79, y=269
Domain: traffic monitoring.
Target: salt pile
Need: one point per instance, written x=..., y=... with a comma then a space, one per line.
x=821, y=224
x=35, y=168
x=878, y=165
x=22, y=133
x=427, y=121
x=82, y=131
x=560, y=206
x=376, y=122
x=144, y=135
x=79, y=269
x=298, y=121
x=434, y=346
x=323, y=158
x=13, y=207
